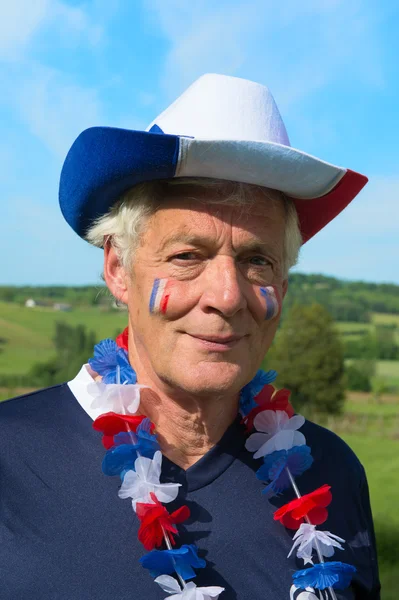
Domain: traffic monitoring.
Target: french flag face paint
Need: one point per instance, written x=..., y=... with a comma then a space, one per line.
x=272, y=299
x=160, y=296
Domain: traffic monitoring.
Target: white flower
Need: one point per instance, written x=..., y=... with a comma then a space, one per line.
x=138, y=484
x=308, y=537
x=307, y=595
x=190, y=592
x=278, y=432
x=119, y=398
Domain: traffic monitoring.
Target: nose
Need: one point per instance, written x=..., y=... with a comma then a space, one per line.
x=223, y=292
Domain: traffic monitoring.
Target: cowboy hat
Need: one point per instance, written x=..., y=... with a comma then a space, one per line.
x=221, y=127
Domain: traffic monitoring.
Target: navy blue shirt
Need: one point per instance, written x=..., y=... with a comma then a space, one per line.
x=65, y=534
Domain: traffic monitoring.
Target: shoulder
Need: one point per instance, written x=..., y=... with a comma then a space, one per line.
x=333, y=454
x=327, y=440
x=31, y=408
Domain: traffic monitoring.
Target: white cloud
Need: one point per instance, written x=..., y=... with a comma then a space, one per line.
x=21, y=20
x=53, y=106
x=56, y=109
x=294, y=47
x=74, y=19
x=146, y=99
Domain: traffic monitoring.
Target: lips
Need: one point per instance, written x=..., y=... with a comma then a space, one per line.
x=218, y=339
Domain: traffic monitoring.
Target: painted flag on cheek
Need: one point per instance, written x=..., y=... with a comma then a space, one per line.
x=271, y=298
x=160, y=296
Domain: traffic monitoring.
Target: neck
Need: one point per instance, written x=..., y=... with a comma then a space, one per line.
x=187, y=428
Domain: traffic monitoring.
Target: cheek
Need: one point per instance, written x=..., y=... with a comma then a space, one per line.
x=160, y=294
x=270, y=301
x=169, y=298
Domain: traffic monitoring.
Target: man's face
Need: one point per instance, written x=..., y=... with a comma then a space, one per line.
x=202, y=309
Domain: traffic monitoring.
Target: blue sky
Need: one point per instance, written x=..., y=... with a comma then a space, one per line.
x=332, y=65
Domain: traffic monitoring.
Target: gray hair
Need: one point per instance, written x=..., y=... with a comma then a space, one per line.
x=126, y=220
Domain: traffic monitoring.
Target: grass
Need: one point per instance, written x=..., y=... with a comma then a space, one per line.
x=390, y=409
x=29, y=331
x=388, y=372
x=7, y=393
x=351, y=328
x=381, y=461
x=388, y=368
x=384, y=319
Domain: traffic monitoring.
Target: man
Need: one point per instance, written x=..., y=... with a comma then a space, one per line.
x=200, y=219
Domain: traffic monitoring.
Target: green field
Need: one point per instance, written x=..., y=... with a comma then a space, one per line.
x=383, y=319
x=28, y=332
x=386, y=370
x=381, y=461
x=370, y=408
x=354, y=330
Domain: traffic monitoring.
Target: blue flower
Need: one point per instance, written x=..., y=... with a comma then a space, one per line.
x=145, y=441
x=333, y=574
x=128, y=445
x=298, y=459
x=107, y=357
x=119, y=458
x=182, y=560
x=252, y=389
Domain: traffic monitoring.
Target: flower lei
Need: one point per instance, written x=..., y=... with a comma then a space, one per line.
x=134, y=454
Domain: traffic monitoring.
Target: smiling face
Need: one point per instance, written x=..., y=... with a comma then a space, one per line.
x=204, y=293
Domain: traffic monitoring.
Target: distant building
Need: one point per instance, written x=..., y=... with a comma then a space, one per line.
x=31, y=303
x=62, y=307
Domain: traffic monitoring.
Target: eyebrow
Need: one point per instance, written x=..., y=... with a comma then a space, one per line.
x=203, y=241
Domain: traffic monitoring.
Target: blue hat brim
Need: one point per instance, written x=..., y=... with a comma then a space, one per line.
x=104, y=162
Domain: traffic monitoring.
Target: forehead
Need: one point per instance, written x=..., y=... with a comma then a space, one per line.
x=204, y=212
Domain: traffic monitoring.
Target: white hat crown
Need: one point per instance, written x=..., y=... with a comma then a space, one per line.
x=220, y=107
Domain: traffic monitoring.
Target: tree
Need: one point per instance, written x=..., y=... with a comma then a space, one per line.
x=387, y=347
x=74, y=345
x=308, y=357
x=358, y=375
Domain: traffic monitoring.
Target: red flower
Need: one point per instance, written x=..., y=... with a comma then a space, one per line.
x=312, y=505
x=269, y=399
x=111, y=423
x=123, y=339
x=155, y=519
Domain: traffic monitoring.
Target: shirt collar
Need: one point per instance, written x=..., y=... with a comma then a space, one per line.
x=80, y=388
x=199, y=475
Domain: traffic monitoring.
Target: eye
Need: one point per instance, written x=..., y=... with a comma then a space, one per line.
x=185, y=256
x=259, y=261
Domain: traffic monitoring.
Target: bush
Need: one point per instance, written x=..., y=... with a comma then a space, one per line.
x=308, y=357
x=357, y=377
x=74, y=345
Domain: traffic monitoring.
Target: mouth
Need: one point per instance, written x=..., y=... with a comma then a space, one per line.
x=218, y=343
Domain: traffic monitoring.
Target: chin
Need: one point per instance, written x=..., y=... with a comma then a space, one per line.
x=212, y=378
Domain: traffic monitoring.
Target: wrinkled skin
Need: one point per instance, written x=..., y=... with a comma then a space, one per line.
x=215, y=259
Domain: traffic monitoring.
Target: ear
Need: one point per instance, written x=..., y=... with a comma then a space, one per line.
x=114, y=273
x=285, y=287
